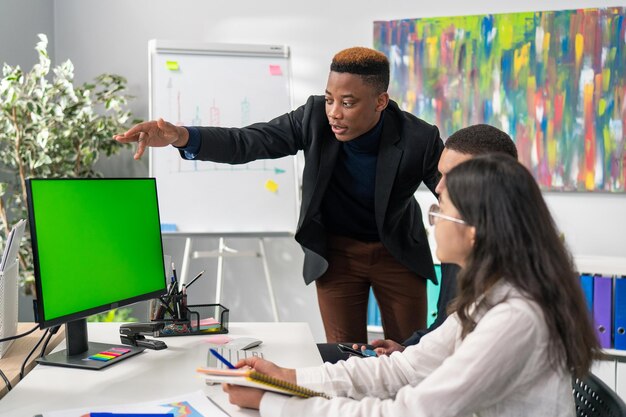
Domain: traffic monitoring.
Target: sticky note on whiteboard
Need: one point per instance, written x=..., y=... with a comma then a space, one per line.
x=172, y=65
x=271, y=186
x=168, y=227
x=276, y=70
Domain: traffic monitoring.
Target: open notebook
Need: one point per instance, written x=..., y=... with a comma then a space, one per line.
x=252, y=378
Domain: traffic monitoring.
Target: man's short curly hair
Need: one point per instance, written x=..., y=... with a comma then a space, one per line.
x=481, y=139
x=371, y=65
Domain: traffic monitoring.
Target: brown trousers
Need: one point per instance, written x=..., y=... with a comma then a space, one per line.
x=343, y=292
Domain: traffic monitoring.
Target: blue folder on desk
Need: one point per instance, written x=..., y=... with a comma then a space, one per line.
x=602, y=308
x=620, y=313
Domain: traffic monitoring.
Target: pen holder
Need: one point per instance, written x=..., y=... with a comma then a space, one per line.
x=8, y=305
x=204, y=319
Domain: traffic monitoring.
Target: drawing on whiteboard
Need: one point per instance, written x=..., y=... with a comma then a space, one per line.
x=170, y=102
x=179, y=165
x=182, y=166
x=245, y=112
x=214, y=115
x=178, y=119
x=196, y=121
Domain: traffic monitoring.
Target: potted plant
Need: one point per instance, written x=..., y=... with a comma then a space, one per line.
x=51, y=128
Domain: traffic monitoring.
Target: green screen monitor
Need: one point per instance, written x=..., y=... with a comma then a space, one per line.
x=96, y=246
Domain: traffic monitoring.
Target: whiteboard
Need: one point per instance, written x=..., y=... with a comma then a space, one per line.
x=225, y=85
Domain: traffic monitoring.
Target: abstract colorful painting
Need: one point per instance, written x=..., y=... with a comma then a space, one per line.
x=554, y=80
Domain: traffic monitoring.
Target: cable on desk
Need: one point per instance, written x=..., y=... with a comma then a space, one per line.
x=6, y=380
x=31, y=353
x=6, y=339
x=17, y=336
x=51, y=333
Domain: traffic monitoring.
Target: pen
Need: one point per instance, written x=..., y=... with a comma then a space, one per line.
x=166, y=308
x=177, y=309
x=221, y=358
x=174, y=272
x=175, y=306
x=184, y=303
x=170, y=290
x=195, y=278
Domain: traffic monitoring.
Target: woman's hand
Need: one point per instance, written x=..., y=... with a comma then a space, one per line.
x=245, y=397
x=268, y=368
x=251, y=397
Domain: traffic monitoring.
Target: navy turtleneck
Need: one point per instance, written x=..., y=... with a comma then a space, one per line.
x=348, y=204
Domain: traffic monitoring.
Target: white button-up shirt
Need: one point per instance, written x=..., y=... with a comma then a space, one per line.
x=500, y=369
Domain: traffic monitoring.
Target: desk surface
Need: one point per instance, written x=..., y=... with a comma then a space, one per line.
x=152, y=374
x=11, y=362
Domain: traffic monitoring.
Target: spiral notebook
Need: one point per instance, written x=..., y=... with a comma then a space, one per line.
x=251, y=378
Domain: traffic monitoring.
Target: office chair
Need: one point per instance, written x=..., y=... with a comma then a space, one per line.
x=594, y=398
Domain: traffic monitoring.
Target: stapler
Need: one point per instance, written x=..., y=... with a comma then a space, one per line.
x=133, y=334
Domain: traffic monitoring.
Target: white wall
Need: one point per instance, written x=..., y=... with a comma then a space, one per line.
x=114, y=34
x=111, y=36
x=20, y=22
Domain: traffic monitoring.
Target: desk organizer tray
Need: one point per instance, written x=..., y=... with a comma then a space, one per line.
x=204, y=319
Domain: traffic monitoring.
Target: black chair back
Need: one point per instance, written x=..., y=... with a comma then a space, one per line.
x=594, y=398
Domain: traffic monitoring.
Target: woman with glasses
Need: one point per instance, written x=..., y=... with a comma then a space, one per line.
x=518, y=330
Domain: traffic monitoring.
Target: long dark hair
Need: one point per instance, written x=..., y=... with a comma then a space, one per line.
x=517, y=241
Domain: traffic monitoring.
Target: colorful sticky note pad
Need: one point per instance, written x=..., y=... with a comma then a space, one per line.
x=208, y=321
x=109, y=353
x=108, y=356
x=99, y=357
x=118, y=349
x=172, y=65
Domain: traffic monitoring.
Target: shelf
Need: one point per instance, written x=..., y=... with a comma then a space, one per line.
x=605, y=265
x=614, y=353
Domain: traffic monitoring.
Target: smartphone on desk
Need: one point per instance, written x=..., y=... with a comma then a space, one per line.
x=362, y=353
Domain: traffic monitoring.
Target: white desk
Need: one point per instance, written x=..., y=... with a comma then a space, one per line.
x=152, y=374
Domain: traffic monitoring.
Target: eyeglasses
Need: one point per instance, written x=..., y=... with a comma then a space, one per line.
x=434, y=212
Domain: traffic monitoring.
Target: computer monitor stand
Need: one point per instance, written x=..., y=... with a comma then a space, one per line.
x=79, y=350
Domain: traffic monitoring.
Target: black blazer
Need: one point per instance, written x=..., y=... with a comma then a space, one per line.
x=408, y=155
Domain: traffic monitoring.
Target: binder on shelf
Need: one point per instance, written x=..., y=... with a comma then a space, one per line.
x=620, y=313
x=602, y=308
x=586, y=282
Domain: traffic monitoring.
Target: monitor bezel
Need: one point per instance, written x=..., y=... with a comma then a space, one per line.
x=39, y=301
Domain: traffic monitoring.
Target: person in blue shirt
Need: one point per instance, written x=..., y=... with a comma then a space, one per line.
x=360, y=226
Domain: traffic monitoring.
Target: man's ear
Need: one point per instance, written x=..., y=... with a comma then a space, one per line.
x=382, y=101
